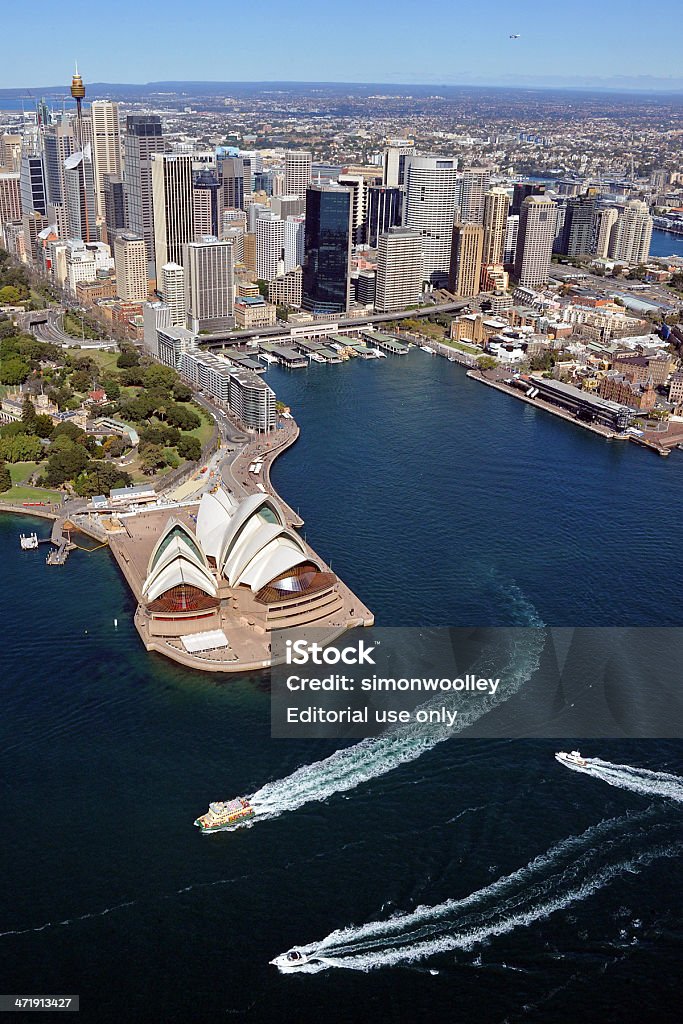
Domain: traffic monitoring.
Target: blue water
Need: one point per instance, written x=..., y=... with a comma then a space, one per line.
x=665, y=244
x=441, y=502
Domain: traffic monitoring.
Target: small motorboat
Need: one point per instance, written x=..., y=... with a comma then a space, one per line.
x=292, y=960
x=572, y=759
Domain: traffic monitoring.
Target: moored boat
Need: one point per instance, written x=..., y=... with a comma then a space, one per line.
x=223, y=813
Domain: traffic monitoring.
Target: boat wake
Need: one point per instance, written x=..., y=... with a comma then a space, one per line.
x=568, y=873
x=373, y=757
x=638, y=780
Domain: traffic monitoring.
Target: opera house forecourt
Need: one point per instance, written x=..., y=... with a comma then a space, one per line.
x=213, y=581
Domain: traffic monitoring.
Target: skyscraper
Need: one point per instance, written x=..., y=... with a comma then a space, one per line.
x=114, y=205
x=172, y=180
x=207, y=198
x=106, y=145
x=537, y=222
x=295, y=237
x=474, y=184
x=466, y=250
x=79, y=196
x=429, y=206
x=631, y=234
x=394, y=161
x=298, y=163
x=143, y=138
x=231, y=173
x=270, y=244
x=209, y=287
x=577, y=236
x=172, y=278
x=383, y=211
x=327, y=250
x=521, y=191
x=130, y=263
x=32, y=184
x=510, y=244
x=356, y=182
x=604, y=219
x=399, y=269
x=496, y=206
x=58, y=144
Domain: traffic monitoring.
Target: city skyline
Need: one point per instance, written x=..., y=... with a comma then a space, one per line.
x=534, y=46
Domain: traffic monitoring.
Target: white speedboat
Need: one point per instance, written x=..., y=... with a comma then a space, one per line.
x=292, y=960
x=572, y=759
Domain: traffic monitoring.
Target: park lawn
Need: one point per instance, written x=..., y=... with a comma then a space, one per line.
x=205, y=431
x=21, y=471
x=106, y=360
x=470, y=349
x=19, y=494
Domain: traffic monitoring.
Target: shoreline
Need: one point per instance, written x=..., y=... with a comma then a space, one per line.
x=604, y=432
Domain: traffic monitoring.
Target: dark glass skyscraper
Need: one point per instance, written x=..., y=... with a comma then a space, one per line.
x=577, y=236
x=522, y=191
x=384, y=211
x=327, y=249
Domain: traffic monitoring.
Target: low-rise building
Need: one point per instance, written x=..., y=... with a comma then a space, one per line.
x=616, y=387
x=254, y=311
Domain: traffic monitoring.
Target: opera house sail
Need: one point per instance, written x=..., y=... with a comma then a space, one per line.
x=234, y=574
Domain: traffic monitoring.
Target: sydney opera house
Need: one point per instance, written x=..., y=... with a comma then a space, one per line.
x=222, y=580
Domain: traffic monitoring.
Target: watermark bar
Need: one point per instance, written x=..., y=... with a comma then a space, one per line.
x=42, y=1004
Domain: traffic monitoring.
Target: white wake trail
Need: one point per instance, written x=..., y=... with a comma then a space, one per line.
x=351, y=766
x=638, y=780
x=568, y=873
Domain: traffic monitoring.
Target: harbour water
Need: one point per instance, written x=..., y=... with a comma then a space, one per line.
x=665, y=244
x=440, y=502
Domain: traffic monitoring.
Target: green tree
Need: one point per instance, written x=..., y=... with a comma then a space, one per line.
x=28, y=413
x=81, y=381
x=157, y=376
x=43, y=425
x=152, y=457
x=111, y=388
x=181, y=391
x=69, y=430
x=129, y=357
x=65, y=461
x=189, y=448
x=487, y=363
x=21, y=448
x=10, y=295
x=5, y=478
x=14, y=371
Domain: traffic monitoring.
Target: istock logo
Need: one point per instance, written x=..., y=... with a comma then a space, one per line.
x=299, y=652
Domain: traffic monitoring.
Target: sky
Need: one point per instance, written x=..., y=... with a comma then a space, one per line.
x=390, y=41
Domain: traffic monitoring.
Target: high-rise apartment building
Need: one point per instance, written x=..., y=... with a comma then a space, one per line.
x=172, y=278
x=130, y=265
x=496, y=206
x=474, y=184
x=327, y=249
x=466, y=250
x=429, y=207
x=631, y=234
x=209, y=286
x=298, y=164
x=106, y=145
x=537, y=225
x=143, y=138
x=172, y=192
x=398, y=282
x=604, y=219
